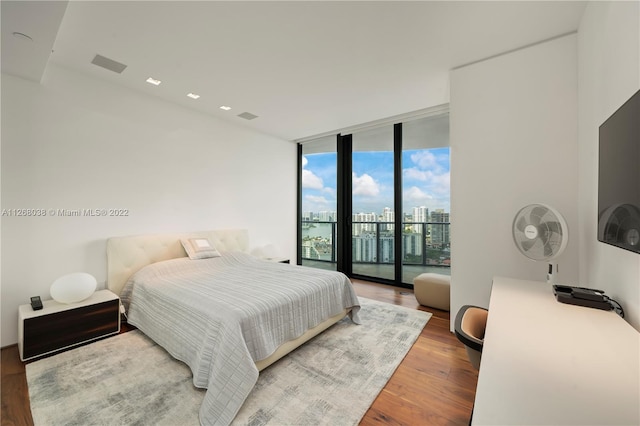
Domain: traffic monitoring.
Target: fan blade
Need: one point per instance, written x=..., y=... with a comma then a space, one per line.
x=548, y=250
x=554, y=227
x=520, y=225
x=526, y=245
x=535, y=217
x=544, y=235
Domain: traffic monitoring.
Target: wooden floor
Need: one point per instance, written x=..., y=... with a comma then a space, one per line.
x=434, y=385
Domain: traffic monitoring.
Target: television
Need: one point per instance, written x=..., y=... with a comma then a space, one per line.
x=619, y=177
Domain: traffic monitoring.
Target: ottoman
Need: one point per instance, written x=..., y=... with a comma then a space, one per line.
x=433, y=290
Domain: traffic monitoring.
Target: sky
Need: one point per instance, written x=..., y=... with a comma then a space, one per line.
x=425, y=181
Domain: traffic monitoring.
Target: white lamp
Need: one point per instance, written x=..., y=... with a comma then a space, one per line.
x=72, y=288
x=265, y=252
x=270, y=251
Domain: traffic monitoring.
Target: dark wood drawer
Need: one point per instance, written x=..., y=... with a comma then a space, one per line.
x=57, y=327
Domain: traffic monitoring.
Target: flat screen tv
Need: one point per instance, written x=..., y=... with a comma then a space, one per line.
x=619, y=177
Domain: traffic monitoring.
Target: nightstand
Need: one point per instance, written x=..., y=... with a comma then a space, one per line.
x=59, y=326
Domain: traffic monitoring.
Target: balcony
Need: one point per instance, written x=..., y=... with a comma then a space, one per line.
x=426, y=248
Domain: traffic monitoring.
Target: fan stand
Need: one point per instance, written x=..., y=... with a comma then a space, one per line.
x=551, y=276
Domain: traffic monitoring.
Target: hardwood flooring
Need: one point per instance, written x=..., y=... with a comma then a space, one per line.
x=434, y=385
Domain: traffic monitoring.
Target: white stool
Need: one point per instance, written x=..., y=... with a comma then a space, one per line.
x=433, y=290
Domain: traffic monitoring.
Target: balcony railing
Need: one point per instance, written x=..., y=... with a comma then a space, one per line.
x=424, y=243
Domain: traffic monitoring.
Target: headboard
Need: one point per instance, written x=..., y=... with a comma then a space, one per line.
x=127, y=255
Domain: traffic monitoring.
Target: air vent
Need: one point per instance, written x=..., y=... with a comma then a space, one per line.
x=247, y=116
x=109, y=64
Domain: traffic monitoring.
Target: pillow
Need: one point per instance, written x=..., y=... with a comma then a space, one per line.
x=199, y=248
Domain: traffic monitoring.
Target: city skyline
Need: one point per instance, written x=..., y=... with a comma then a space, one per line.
x=419, y=214
x=425, y=174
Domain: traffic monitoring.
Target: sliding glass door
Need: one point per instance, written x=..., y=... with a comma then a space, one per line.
x=318, y=217
x=375, y=203
x=426, y=199
x=372, y=203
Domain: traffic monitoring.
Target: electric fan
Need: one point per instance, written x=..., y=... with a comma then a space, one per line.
x=540, y=233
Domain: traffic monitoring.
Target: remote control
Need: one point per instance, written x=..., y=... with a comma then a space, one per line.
x=36, y=303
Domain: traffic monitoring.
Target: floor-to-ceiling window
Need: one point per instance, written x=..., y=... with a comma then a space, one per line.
x=372, y=203
x=426, y=196
x=394, y=181
x=318, y=217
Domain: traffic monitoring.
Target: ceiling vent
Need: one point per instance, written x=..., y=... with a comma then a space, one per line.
x=247, y=116
x=109, y=64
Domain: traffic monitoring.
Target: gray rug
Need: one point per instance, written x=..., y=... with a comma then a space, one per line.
x=129, y=380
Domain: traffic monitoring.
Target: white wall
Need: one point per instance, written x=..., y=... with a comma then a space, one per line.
x=513, y=143
x=78, y=143
x=609, y=73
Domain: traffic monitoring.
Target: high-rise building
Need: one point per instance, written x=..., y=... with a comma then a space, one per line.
x=387, y=254
x=359, y=228
x=388, y=216
x=364, y=247
x=440, y=236
x=412, y=244
x=325, y=216
x=309, y=251
x=420, y=215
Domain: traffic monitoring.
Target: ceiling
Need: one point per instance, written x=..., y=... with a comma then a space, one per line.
x=304, y=68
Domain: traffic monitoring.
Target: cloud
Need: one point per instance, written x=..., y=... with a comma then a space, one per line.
x=424, y=159
x=365, y=185
x=330, y=191
x=430, y=189
x=441, y=184
x=311, y=181
x=415, y=174
x=435, y=181
x=416, y=195
x=316, y=199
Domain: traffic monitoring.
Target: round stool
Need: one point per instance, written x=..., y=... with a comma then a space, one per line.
x=433, y=290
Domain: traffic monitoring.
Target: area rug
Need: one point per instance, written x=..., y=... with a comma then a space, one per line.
x=128, y=379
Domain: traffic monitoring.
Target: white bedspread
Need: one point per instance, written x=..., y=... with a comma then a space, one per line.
x=221, y=315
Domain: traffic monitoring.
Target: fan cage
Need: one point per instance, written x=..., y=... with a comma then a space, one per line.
x=540, y=232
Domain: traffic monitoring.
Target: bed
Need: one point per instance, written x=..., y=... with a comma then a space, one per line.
x=228, y=315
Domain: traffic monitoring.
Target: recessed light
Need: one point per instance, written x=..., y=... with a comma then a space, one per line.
x=153, y=81
x=226, y=108
x=193, y=95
